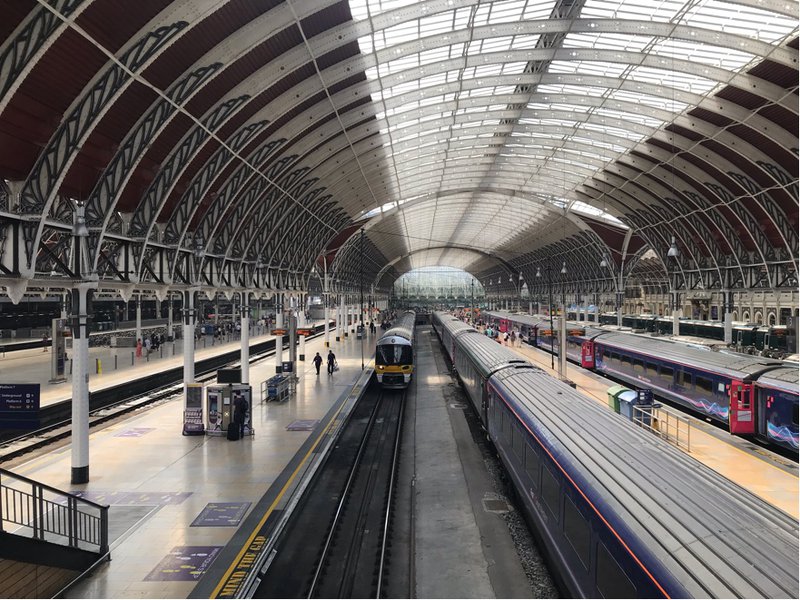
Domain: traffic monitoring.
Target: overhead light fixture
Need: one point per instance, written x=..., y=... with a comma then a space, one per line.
x=538, y=272
x=673, y=251
x=603, y=263
x=564, y=268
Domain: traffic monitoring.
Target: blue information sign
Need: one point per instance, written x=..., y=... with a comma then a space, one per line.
x=19, y=405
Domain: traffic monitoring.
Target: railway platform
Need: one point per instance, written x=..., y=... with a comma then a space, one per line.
x=176, y=500
x=769, y=476
x=117, y=365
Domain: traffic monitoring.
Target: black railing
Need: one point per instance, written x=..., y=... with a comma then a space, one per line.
x=32, y=509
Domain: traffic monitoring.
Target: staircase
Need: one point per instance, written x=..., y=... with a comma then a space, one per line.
x=48, y=538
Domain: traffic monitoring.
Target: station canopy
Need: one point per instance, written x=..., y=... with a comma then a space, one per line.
x=249, y=142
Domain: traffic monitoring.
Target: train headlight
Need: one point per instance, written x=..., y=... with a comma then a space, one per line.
x=381, y=367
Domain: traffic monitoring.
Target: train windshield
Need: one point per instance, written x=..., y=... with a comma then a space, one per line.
x=393, y=355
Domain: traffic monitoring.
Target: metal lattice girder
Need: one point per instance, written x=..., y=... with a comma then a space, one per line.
x=182, y=215
x=99, y=205
x=41, y=186
x=149, y=208
x=23, y=49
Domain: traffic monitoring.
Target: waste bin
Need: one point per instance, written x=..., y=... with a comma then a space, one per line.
x=644, y=399
x=613, y=393
x=627, y=400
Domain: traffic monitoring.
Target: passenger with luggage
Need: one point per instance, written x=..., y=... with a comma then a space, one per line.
x=331, y=362
x=239, y=417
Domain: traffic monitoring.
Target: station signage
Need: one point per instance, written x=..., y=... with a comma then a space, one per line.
x=19, y=405
x=304, y=331
x=278, y=332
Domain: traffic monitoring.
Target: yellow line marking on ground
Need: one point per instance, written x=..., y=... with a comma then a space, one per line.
x=275, y=502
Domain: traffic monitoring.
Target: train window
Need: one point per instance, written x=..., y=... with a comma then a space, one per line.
x=703, y=384
x=626, y=360
x=651, y=368
x=576, y=530
x=616, y=357
x=550, y=491
x=518, y=442
x=666, y=373
x=532, y=465
x=638, y=365
x=611, y=579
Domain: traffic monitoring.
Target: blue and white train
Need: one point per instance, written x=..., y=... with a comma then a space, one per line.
x=618, y=512
x=752, y=396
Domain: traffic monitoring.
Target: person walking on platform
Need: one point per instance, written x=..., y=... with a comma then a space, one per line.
x=138, y=347
x=317, y=360
x=44, y=342
x=331, y=362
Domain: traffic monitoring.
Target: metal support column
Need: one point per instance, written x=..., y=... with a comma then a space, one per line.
x=189, y=317
x=80, y=384
x=279, y=338
x=301, y=323
x=245, y=337
x=139, y=318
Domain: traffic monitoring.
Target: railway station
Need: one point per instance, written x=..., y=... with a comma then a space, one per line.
x=399, y=298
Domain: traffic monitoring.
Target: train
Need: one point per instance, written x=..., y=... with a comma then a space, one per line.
x=618, y=512
x=394, y=353
x=769, y=340
x=737, y=391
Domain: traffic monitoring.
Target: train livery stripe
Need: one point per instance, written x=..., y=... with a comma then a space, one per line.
x=583, y=495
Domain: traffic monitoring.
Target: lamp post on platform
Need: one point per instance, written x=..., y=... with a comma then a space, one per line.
x=549, y=309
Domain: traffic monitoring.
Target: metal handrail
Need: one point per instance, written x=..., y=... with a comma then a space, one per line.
x=51, y=514
x=665, y=425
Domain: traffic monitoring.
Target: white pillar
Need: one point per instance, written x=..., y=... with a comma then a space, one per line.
x=728, y=327
x=676, y=326
x=279, y=338
x=245, y=337
x=301, y=323
x=339, y=320
x=169, y=317
x=188, y=337
x=326, y=319
x=139, y=318
x=80, y=386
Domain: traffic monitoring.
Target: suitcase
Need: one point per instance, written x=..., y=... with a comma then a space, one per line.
x=233, y=432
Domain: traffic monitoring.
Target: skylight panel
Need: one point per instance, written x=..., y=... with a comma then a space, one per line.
x=607, y=41
x=661, y=102
x=524, y=42
x=496, y=44
x=508, y=11
x=436, y=24
x=653, y=10
x=725, y=58
x=538, y=10
x=670, y=79
x=739, y=19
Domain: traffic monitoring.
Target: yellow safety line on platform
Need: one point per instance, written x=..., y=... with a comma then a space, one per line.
x=224, y=579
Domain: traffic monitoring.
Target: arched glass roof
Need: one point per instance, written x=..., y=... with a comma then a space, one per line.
x=241, y=144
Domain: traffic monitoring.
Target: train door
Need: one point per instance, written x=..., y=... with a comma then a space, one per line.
x=741, y=416
x=587, y=354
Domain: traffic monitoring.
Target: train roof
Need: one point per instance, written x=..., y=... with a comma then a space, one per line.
x=403, y=327
x=740, y=366
x=526, y=319
x=487, y=355
x=457, y=327
x=786, y=378
x=715, y=538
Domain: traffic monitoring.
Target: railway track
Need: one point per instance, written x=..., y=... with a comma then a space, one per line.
x=112, y=402
x=335, y=544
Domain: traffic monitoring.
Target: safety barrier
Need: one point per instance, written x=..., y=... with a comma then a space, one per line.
x=45, y=513
x=672, y=428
